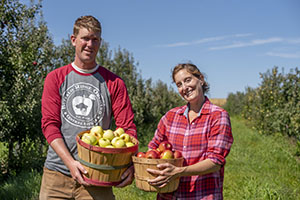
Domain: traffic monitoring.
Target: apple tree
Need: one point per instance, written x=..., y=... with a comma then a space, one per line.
x=26, y=53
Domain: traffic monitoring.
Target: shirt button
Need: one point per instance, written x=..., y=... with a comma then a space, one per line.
x=184, y=147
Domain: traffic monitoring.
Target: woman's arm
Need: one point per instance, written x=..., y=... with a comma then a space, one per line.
x=168, y=171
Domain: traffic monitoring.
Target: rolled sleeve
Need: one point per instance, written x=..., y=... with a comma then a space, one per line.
x=220, y=139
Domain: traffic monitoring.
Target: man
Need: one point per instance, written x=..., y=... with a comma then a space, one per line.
x=75, y=98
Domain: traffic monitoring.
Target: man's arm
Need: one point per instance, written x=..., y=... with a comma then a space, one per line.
x=76, y=169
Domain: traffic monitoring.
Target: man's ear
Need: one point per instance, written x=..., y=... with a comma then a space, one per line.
x=73, y=38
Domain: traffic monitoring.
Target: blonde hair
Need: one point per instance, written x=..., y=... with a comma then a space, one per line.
x=192, y=69
x=89, y=22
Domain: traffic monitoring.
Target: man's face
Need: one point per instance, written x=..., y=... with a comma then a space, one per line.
x=86, y=45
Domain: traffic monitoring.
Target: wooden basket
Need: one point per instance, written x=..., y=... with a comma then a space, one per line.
x=142, y=176
x=105, y=166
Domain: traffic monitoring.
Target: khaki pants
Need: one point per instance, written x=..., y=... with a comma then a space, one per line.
x=56, y=185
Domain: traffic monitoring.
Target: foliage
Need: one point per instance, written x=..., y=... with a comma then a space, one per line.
x=234, y=104
x=274, y=106
x=25, y=52
x=25, y=186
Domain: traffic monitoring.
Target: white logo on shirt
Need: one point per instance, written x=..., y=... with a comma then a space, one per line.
x=82, y=105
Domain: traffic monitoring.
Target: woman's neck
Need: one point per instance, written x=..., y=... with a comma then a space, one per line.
x=196, y=107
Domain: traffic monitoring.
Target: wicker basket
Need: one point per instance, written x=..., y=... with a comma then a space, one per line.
x=105, y=166
x=142, y=176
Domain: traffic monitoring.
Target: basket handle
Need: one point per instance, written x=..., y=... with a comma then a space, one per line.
x=103, y=167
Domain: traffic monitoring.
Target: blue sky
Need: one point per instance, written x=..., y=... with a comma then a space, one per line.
x=231, y=41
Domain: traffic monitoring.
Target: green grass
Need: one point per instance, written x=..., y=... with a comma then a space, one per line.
x=258, y=167
x=261, y=167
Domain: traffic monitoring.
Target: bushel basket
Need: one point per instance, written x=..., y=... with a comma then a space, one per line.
x=104, y=166
x=142, y=176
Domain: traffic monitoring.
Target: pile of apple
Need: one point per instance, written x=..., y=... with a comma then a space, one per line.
x=107, y=138
x=164, y=151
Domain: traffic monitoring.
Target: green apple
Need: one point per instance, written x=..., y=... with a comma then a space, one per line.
x=119, y=131
x=97, y=131
x=125, y=137
x=108, y=134
x=109, y=146
x=113, y=141
x=119, y=143
x=89, y=139
x=85, y=138
x=129, y=144
x=103, y=142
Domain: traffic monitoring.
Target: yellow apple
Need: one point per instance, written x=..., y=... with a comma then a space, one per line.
x=109, y=146
x=119, y=131
x=125, y=137
x=108, y=134
x=103, y=142
x=129, y=144
x=113, y=141
x=89, y=139
x=97, y=131
x=119, y=143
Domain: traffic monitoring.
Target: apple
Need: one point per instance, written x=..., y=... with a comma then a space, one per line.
x=103, y=142
x=119, y=143
x=165, y=145
x=156, y=150
x=109, y=146
x=97, y=131
x=119, y=131
x=177, y=154
x=152, y=154
x=34, y=63
x=86, y=139
x=125, y=137
x=108, y=134
x=89, y=139
x=141, y=155
x=113, y=141
x=129, y=144
x=167, y=154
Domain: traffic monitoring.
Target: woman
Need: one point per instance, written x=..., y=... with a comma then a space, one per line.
x=202, y=132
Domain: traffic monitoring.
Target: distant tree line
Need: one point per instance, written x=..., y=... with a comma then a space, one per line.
x=27, y=55
x=274, y=106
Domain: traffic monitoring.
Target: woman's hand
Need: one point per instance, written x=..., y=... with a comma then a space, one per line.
x=165, y=174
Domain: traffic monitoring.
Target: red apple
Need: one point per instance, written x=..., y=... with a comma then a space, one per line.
x=152, y=154
x=177, y=154
x=165, y=145
x=167, y=154
x=141, y=155
x=34, y=63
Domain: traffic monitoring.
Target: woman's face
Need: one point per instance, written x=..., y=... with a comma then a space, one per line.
x=189, y=86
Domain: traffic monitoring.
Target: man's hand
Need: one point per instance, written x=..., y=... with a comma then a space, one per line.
x=77, y=171
x=127, y=177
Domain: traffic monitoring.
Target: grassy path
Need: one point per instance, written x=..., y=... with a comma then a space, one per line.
x=258, y=167
x=261, y=167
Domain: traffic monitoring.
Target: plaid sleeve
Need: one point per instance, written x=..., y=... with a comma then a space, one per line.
x=220, y=137
x=159, y=135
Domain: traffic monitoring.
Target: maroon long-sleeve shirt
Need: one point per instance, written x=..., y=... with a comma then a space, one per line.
x=74, y=101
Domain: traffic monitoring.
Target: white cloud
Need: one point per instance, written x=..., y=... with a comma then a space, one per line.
x=247, y=44
x=204, y=40
x=284, y=55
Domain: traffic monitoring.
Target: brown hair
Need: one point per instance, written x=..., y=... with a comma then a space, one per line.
x=89, y=22
x=192, y=69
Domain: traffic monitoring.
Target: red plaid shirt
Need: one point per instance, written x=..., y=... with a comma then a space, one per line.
x=208, y=136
